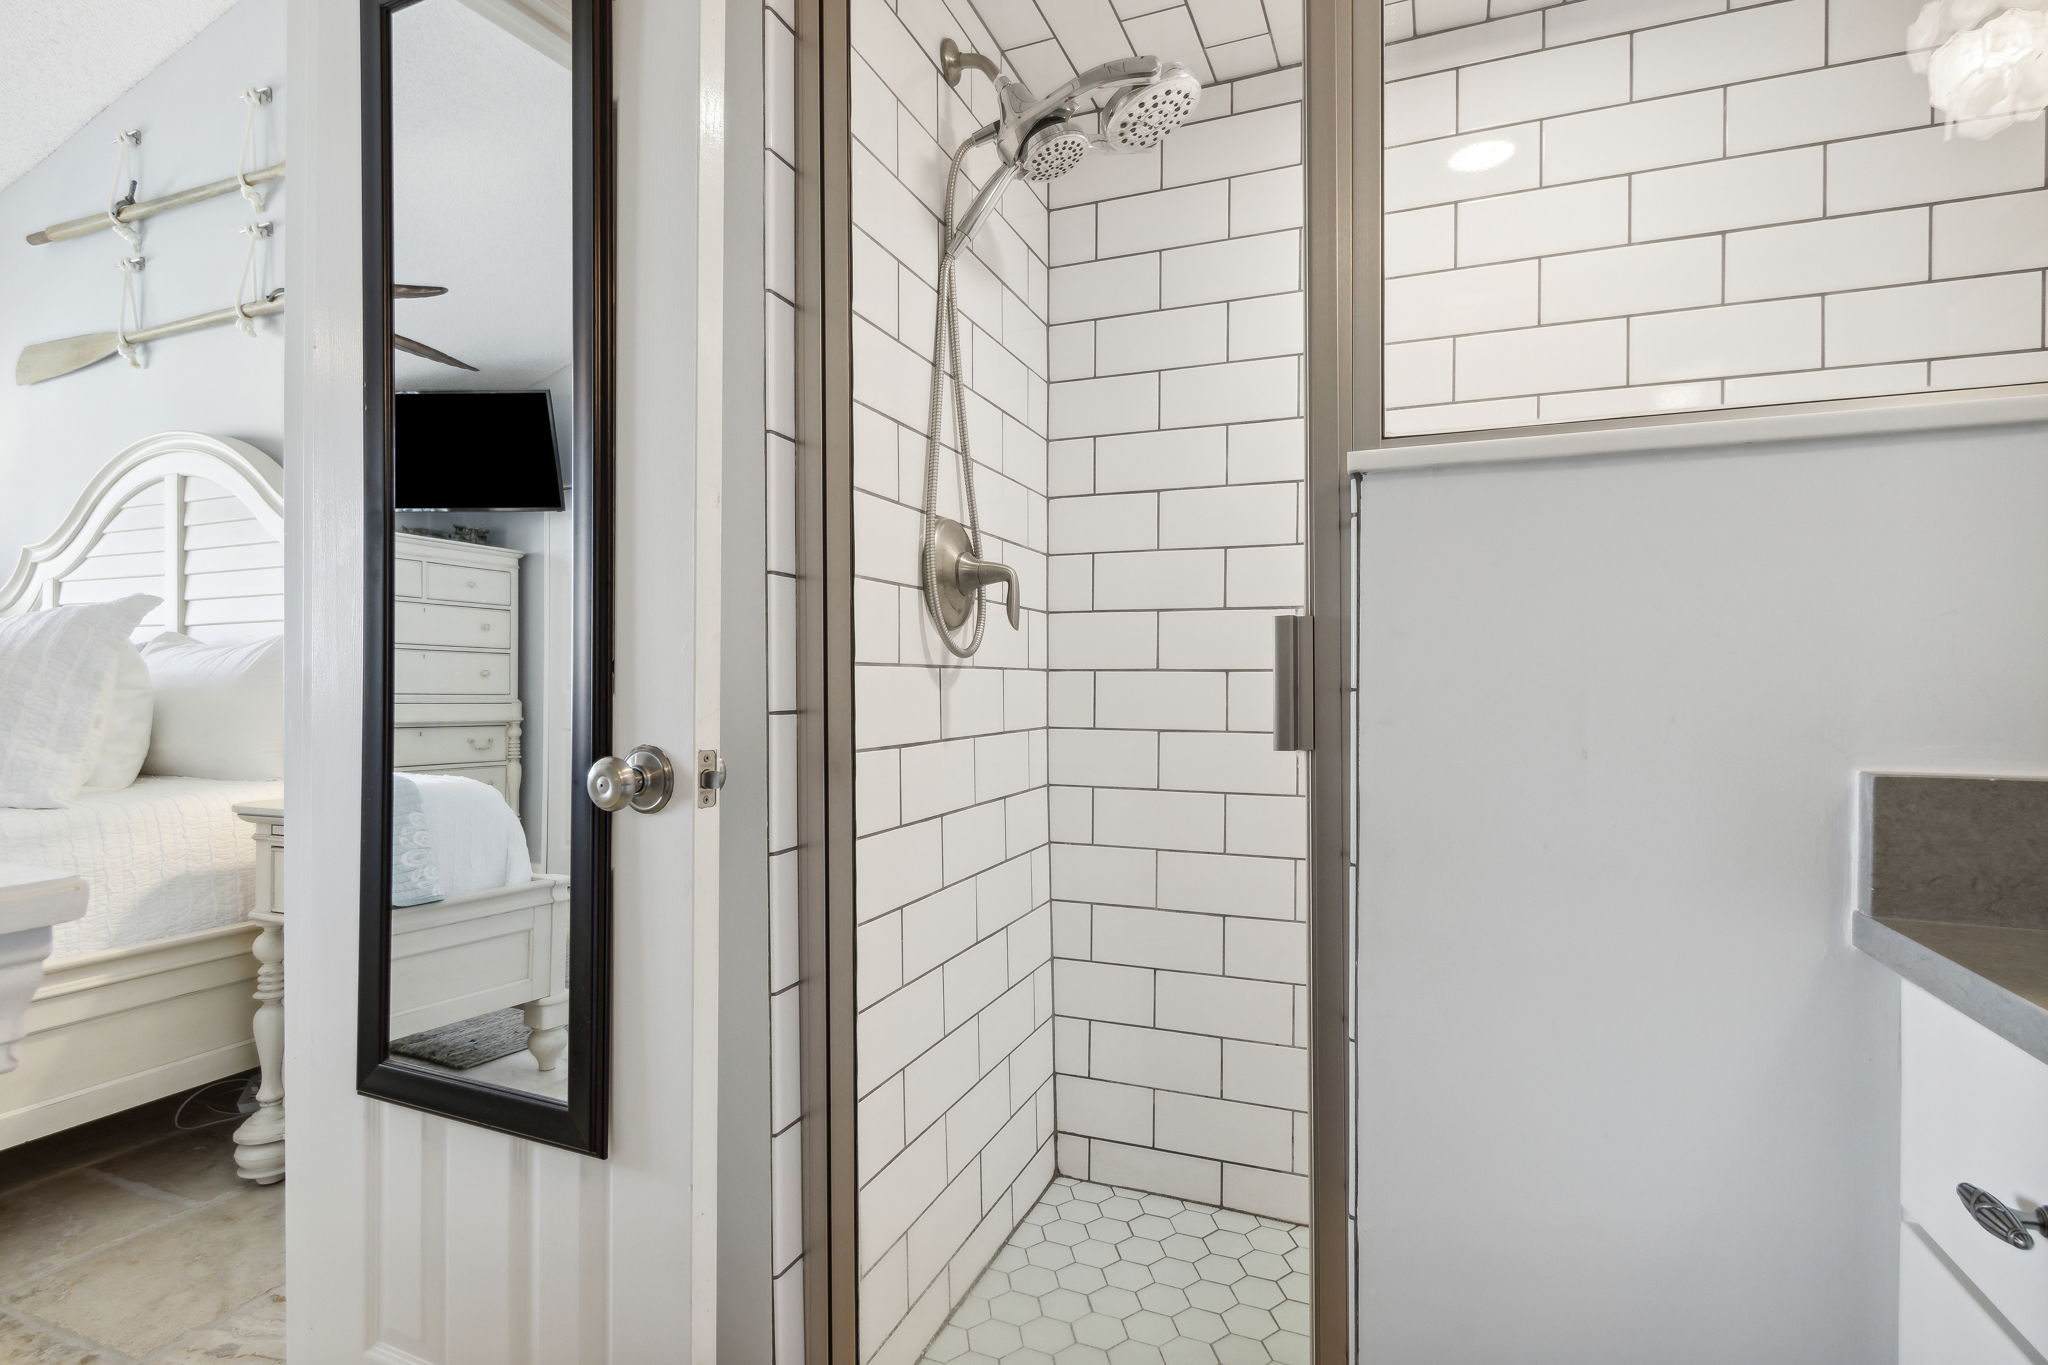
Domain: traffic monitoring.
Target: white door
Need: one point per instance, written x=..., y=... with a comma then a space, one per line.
x=414, y=1238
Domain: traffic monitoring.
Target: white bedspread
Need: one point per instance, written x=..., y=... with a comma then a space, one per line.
x=478, y=841
x=164, y=857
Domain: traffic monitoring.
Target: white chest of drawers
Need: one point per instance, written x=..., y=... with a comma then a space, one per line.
x=455, y=660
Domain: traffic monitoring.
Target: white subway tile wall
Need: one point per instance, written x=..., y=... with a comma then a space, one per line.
x=1602, y=208
x=953, y=970
x=1133, y=355
x=1177, y=933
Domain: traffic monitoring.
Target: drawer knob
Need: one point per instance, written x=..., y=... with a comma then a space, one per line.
x=471, y=583
x=483, y=672
x=486, y=627
x=2000, y=1219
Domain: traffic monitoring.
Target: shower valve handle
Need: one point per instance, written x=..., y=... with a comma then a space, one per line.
x=980, y=573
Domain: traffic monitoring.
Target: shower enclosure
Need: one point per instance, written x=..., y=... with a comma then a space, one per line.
x=1060, y=1021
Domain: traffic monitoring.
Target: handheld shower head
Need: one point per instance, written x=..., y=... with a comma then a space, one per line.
x=1052, y=149
x=1139, y=117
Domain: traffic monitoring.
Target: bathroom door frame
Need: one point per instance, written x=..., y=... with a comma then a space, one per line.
x=825, y=748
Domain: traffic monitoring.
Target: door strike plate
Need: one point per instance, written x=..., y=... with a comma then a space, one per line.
x=710, y=777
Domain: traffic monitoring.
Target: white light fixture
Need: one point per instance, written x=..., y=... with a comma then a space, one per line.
x=1484, y=156
x=1986, y=62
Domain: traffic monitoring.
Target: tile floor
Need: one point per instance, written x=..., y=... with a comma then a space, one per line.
x=1098, y=1275
x=128, y=1240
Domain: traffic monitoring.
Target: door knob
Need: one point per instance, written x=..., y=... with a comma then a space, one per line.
x=2000, y=1219
x=644, y=779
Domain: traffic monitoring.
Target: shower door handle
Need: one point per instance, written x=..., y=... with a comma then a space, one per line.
x=1291, y=728
x=981, y=573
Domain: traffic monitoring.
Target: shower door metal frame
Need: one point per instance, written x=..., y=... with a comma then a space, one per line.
x=1339, y=387
x=1341, y=189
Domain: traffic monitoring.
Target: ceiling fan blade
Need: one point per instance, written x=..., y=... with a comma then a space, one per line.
x=426, y=352
x=418, y=291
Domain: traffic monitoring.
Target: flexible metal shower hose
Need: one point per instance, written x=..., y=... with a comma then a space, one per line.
x=945, y=347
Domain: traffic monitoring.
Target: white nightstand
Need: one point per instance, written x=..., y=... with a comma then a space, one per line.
x=259, y=1140
x=32, y=900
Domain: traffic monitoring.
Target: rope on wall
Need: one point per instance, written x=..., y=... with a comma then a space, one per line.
x=256, y=232
x=122, y=194
x=131, y=312
x=256, y=96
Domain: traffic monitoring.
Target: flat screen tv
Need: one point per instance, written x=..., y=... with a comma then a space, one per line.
x=475, y=452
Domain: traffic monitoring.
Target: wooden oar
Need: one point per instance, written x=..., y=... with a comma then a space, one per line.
x=50, y=359
x=149, y=208
x=426, y=352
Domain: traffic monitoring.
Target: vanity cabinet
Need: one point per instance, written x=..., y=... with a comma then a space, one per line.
x=455, y=660
x=1973, y=1107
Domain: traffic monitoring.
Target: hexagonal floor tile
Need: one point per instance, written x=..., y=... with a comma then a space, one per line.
x=1098, y=1329
x=1086, y=1278
x=1013, y=1308
x=1064, y=1304
x=1198, y=1323
x=1046, y=1334
x=1000, y=1338
x=1163, y=1298
x=1128, y=1274
x=1247, y=1321
x=1154, y=1328
x=1113, y=1302
x=1231, y=1350
x=1135, y=1353
x=1101, y=1275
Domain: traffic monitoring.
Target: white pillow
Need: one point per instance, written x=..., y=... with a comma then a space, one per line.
x=56, y=672
x=125, y=734
x=219, y=708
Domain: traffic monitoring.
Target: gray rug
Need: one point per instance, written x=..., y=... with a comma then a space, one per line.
x=468, y=1042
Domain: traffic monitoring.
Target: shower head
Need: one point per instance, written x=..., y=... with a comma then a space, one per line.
x=1052, y=149
x=1139, y=117
x=1143, y=99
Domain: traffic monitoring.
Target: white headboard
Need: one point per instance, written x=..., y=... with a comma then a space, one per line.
x=196, y=520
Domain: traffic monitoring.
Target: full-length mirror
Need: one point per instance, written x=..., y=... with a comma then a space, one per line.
x=483, y=972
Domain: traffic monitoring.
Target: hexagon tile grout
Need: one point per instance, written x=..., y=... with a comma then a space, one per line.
x=1097, y=1275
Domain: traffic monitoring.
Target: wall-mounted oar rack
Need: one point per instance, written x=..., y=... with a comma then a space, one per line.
x=52, y=359
x=149, y=208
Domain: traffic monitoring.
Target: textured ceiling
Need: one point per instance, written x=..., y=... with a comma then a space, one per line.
x=480, y=163
x=1048, y=41
x=63, y=61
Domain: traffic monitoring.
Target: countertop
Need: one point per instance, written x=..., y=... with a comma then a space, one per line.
x=1994, y=974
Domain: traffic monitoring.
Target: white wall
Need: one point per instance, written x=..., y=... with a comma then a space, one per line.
x=55, y=435
x=1626, y=1093
x=1702, y=204
x=1179, y=930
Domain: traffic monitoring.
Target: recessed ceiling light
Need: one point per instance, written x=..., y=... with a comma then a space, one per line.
x=1482, y=156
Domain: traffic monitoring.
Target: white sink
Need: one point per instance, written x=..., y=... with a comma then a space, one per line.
x=32, y=901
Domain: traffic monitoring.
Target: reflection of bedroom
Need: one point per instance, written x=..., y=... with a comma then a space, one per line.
x=144, y=808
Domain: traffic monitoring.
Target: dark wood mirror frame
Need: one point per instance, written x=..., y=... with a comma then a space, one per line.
x=580, y=1124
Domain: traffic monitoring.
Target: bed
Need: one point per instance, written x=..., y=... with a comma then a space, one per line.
x=165, y=857
x=151, y=991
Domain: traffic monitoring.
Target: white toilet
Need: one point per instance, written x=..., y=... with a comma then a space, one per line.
x=32, y=901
